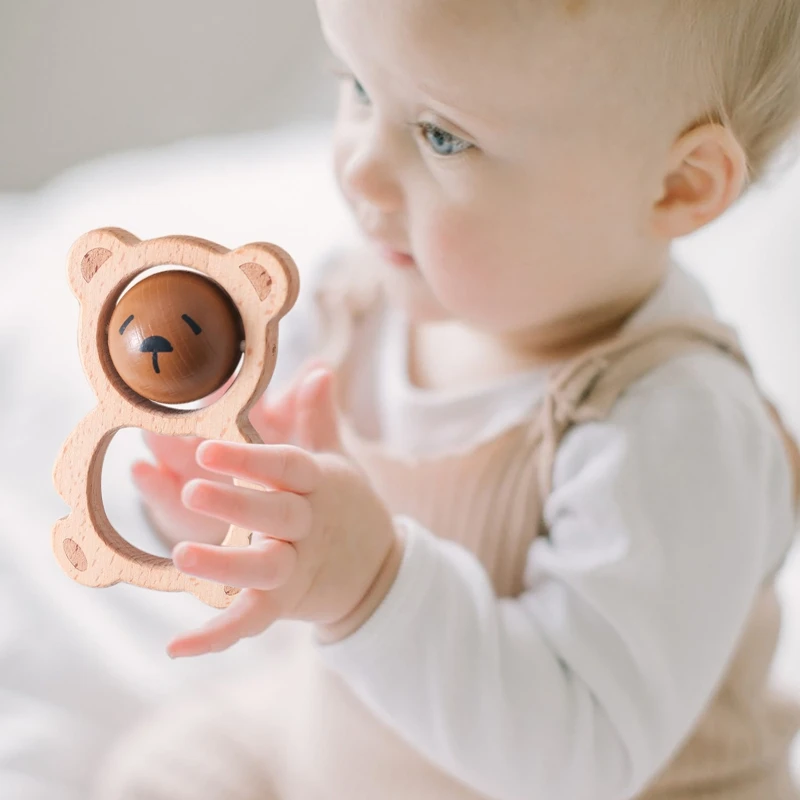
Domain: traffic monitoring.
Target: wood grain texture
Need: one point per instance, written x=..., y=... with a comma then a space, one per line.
x=175, y=337
x=262, y=282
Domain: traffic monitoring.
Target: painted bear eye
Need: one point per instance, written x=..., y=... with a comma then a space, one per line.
x=196, y=329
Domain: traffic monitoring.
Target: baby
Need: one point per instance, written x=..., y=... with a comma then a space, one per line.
x=527, y=494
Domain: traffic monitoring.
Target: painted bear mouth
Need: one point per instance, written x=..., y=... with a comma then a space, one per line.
x=156, y=345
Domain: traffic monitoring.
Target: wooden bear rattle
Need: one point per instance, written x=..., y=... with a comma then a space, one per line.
x=173, y=338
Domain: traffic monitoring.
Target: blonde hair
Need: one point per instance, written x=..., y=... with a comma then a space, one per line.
x=746, y=56
x=743, y=59
x=750, y=49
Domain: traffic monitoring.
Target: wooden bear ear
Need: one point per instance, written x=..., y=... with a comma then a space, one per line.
x=92, y=261
x=273, y=275
x=259, y=278
x=88, y=255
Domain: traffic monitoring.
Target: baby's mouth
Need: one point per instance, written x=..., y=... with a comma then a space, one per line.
x=396, y=258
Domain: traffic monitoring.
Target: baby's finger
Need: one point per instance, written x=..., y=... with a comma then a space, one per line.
x=317, y=421
x=282, y=403
x=281, y=466
x=161, y=494
x=177, y=453
x=276, y=412
x=248, y=615
x=279, y=515
x=269, y=430
x=266, y=564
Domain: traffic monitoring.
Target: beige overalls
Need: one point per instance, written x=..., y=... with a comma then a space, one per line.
x=291, y=730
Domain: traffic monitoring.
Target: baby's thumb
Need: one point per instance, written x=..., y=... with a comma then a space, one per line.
x=317, y=421
x=275, y=417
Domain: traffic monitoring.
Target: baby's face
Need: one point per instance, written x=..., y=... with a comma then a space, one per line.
x=503, y=157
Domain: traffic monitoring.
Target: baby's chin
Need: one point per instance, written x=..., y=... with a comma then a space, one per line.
x=409, y=293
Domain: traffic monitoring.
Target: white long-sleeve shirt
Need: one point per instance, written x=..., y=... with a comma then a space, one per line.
x=664, y=521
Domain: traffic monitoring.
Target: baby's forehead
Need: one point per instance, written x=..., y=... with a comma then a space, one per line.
x=488, y=55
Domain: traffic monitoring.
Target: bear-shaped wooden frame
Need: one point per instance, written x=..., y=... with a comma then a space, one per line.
x=262, y=281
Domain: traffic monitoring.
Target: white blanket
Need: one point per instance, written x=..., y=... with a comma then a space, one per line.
x=77, y=665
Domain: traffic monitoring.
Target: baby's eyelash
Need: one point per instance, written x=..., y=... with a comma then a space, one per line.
x=345, y=75
x=436, y=139
x=441, y=142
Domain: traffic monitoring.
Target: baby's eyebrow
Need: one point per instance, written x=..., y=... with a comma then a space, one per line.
x=125, y=324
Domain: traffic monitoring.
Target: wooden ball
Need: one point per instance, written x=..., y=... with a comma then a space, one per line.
x=175, y=337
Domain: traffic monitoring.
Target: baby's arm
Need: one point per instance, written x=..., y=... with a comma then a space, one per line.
x=664, y=522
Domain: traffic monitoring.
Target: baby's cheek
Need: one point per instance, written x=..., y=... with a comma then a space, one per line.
x=451, y=243
x=461, y=252
x=341, y=153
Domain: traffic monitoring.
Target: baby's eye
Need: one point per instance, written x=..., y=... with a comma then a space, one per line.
x=361, y=93
x=441, y=142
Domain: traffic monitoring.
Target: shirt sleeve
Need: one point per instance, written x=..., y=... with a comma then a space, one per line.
x=664, y=521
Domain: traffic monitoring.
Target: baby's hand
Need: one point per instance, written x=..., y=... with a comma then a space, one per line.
x=324, y=548
x=162, y=483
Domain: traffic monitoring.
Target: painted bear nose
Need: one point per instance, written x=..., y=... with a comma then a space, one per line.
x=155, y=345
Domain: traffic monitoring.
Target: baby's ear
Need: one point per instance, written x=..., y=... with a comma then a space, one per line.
x=272, y=274
x=92, y=251
x=706, y=174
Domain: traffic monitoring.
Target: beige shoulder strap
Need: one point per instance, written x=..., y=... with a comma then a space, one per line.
x=587, y=388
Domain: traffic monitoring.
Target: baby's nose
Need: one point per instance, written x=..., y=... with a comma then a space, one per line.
x=368, y=177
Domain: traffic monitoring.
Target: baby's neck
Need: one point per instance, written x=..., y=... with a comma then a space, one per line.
x=452, y=355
